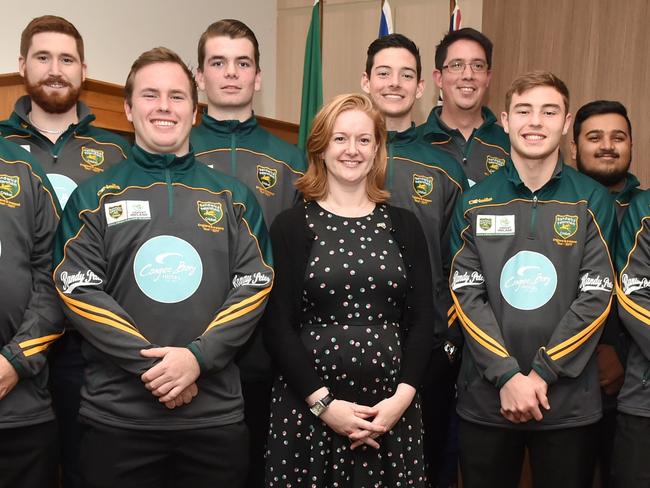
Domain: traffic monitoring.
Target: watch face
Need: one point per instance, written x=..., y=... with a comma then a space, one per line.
x=317, y=408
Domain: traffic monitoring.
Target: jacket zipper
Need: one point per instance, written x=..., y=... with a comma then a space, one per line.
x=233, y=155
x=533, y=219
x=170, y=192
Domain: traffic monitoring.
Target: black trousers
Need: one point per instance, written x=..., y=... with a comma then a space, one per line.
x=492, y=457
x=631, y=458
x=66, y=378
x=29, y=457
x=257, y=409
x=199, y=458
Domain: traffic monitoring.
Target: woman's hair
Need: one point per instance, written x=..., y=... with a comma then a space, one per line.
x=313, y=184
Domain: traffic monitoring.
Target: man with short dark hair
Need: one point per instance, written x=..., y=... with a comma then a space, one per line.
x=56, y=128
x=427, y=181
x=229, y=139
x=162, y=265
x=532, y=281
x=462, y=126
x=602, y=149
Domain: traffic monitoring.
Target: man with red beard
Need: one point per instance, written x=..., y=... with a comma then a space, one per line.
x=55, y=127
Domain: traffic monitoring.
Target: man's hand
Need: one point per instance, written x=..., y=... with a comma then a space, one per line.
x=521, y=397
x=186, y=397
x=8, y=377
x=610, y=369
x=177, y=370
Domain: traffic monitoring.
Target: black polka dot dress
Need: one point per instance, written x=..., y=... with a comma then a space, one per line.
x=354, y=291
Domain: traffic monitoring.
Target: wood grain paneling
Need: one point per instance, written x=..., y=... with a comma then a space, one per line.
x=599, y=48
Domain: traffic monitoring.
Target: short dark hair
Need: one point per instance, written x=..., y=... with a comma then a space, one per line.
x=465, y=33
x=154, y=56
x=234, y=29
x=396, y=41
x=599, y=107
x=531, y=80
x=50, y=23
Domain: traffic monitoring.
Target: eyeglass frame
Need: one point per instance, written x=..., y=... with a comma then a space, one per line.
x=465, y=65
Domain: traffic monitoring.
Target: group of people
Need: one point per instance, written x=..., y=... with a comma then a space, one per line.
x=210, y=307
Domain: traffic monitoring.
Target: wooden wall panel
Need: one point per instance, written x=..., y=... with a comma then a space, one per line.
x=599, y=48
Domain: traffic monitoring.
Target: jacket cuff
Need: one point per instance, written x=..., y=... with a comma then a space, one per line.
x=194, y=349
x=14, y=360
x=542, y=366
x=503, y=379
x=501, y=371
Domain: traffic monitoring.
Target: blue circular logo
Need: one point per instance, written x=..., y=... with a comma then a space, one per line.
x=167, y=269
x=63, y=187
x=528, y=280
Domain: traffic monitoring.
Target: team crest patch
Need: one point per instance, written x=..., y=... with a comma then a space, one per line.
x=565, y=225
x=92, y=159
x=211, y=213
x=422, y=185
x=485, y=223
x=9, y=189
x=115, y=211
x=266, y=176
x=492, y=164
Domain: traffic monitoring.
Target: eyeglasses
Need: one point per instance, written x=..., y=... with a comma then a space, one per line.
x=459, y=66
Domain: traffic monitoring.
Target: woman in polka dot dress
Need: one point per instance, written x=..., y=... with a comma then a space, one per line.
x=348, y=322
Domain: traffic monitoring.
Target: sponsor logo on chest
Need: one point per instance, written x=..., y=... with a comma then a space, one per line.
x=495, y=225
x=266, y=179
x=423, y=186
x=126, y=210
x=211, y=214
x=9, y=190
x=92, y=159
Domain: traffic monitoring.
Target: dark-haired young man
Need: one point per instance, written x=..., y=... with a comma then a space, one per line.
x=427, y=181
x=463, y=126
x=56, y=128
x=602, y=149
x=230, y=140
x=162, y=265
x=532, y=281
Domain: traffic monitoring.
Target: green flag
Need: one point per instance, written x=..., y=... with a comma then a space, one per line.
x=312, y=78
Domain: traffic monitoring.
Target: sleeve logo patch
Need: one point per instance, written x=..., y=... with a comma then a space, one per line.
x=92, y=159
x=126, y=210
x=495, y=225
x=267, y=179
x=466, y=279
x=9, y=189
x=258, y=279
x=69, y=282
x=632, y=283
x=211, y=213
x=595, y=283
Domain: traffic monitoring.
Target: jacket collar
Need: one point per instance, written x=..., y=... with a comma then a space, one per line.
x=156, y=162
x=23, y=106
x=631, y=187
x=227, y=127
x=512, y=175
x=435, y=126
x=403, y=138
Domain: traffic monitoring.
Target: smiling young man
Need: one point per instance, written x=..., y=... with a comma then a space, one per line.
x=427, y=181
x=602, y=149
x=532, y=282
x=462, y=126
x=161, y=264
x=56, y=128
x=230, y=140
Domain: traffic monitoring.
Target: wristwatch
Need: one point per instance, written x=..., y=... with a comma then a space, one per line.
x=321, y=405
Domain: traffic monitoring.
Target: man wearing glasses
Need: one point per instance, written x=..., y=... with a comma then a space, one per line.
x=462, y=126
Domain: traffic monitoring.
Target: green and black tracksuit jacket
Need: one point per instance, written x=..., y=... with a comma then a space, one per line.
x=633, y=295
x=532, y=281
x=162, y=251
x=79, y=153
x=269, y=167
x=485, y=152
x=428, y=182
x=30, y=314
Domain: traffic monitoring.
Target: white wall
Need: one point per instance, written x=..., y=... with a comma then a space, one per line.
x=115, y=32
